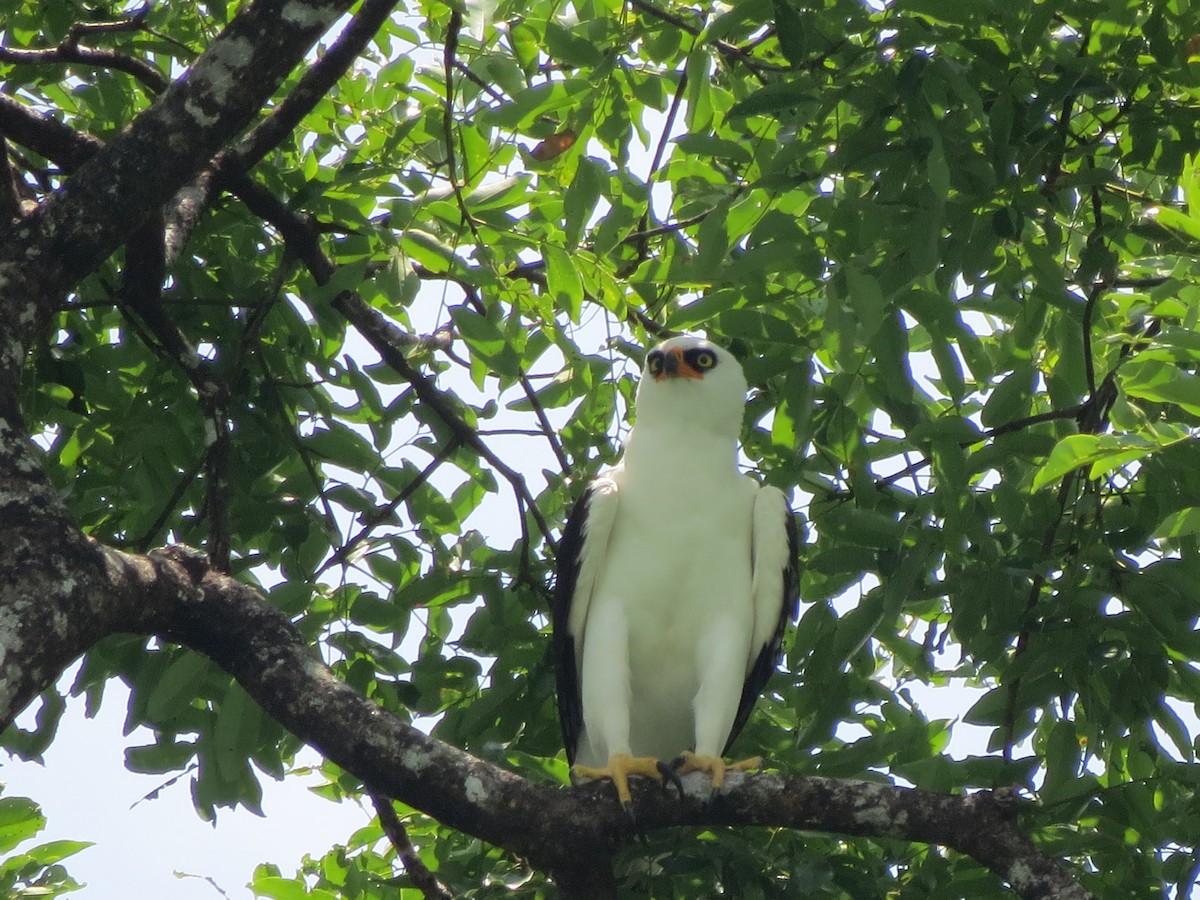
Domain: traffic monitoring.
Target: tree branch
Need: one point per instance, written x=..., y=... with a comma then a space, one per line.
x=69, y=51
x=141, y=288
x=46, y=136
x=175, y=594
x=10, y=198
x=229, y=166
x=385, y=512
x=425, y=880
x=78, y=227
x=728, y=50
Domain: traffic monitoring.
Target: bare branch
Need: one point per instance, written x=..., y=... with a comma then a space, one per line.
x=69, y=51
x=385, y=512
x=46, y=136
x=425, y=880
x=135, y=21
x=557, y=829
x=642, y=241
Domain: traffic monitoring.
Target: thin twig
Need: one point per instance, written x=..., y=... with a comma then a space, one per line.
x=548, y=430
x=1031, y=601
x=424, y=880
x=150, y=535
x=643, y=242
x=383, y=513
x=539, y=411
x=70, y=51
x=10, y=199
x=135, y=21
x=732, y=51
x=672, y=227
x=479, y=82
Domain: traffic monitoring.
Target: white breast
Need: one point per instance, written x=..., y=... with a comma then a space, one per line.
x=677, y=581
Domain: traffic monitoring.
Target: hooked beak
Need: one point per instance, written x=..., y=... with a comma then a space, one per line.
x=675, y=366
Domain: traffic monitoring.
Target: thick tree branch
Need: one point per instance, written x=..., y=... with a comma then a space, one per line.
x=45, y=135
x=175, y=594
x=74, y=230
x=229, y=167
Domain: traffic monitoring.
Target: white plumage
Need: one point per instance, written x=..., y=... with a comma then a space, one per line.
x=676, y=576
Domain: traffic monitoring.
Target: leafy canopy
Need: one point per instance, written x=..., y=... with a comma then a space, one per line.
x=956, y=244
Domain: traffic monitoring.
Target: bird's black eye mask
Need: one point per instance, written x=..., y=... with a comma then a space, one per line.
x=691, y=363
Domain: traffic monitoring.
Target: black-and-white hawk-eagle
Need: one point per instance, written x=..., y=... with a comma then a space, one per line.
x=676, y=577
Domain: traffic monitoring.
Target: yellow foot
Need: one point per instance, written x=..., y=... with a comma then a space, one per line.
x=714, y=766
x=620, y=767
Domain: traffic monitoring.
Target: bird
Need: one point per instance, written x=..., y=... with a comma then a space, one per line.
x=676, y=577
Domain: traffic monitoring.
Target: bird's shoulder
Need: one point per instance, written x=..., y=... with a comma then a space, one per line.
x=768, y=493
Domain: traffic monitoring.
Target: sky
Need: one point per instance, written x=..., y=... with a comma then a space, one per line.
x=146, y=848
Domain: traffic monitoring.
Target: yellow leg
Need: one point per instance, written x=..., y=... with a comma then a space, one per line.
x=620, y=767
x=714, y=766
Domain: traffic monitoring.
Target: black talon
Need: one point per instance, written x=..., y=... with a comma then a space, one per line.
x=669, y=774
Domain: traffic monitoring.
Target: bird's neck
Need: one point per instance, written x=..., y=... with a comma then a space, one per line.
x=673, y=455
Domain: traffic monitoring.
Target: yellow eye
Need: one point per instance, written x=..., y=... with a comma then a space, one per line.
x=705, y=359
x=654, y=363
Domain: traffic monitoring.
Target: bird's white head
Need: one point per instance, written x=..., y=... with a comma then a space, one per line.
x=688, y=381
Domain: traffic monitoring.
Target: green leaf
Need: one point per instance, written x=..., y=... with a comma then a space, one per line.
x=581, y=197
x=504, y=193
x=1180, y=523
x=705, y=145
x=774, y=98
x=570, y=48
x=1162, y=382
x=20, y=819
x=1011, y=398
x=155, y=759
x=792, y=31
x=54, y=852
x=275, y=887
x=535, y=102
x=563, y=281
x=177, y=686
x=236, y=731
x=1104, y=452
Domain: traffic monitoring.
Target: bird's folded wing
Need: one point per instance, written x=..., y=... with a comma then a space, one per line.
x=774, y=594
x=581, y=555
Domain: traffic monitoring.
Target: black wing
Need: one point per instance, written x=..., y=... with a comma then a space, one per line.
x=566, y=670
x=769, y=656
